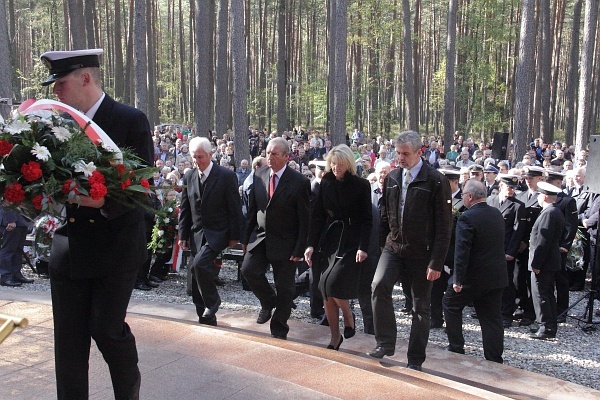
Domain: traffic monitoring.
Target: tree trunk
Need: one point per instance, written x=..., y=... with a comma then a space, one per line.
x=409, y=81
x=572, y=75
x=240, y=90
x=222, y=71
x=152, y=113
x=525, y=76
x=449, y=101
x=282, y=123
x=544, y=68
x=586, y=85
x=331, y=23
x=203, y=63
x=118, y=43
x=77, y=25
x=340, y=90
x=140, y=57
x=183, y=110
x=5, y=62
x=89, y=10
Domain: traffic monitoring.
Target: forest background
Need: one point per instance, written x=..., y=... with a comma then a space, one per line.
x=530, y=68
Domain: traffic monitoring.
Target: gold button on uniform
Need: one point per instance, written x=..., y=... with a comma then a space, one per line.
x=71, y=219
x=91, y=221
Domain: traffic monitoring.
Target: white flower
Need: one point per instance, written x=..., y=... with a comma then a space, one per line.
x=170, y=209
x=166, y=220
x=61, y=133
x=87, y=169
x=18, y=126
x=159, y=245
x=160, y=233
x=40, y=152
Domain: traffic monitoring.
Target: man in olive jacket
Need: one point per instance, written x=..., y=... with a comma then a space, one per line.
x=416, y=226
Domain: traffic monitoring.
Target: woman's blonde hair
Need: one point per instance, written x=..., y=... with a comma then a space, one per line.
x=343, y=156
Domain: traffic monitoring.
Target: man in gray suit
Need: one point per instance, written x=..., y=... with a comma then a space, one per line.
x=278, y=217
x=209, y=222
x=479, y=273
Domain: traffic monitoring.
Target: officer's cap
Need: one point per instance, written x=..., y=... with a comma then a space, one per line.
x=452, y=174
x=553, y=175
x=62, y=63
x=509, y=180
x=548, y=189
x=533, y=170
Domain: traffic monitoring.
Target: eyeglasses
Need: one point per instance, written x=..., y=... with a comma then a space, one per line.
x=463, y=193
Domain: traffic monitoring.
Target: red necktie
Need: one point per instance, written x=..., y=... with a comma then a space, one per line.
x=272, y=185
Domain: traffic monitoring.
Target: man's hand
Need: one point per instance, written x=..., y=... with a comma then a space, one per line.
x=87, y=201
x=308, y=255
x=11, y=226
x=509, y=257
x=536, y=271
x=432, y=275
x=233, y=243
x=183, y=244
x=361, y=256
x=563, y=250
x=457, y=288
x=295, y=259
x=244, y=248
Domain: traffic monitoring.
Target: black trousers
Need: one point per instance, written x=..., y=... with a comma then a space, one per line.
x=510, y=293
x=93, y=308
x=389, y=268
x=544, y=301
x=254, y=269
x=437, y=294
x=523, y=285
x=204, y=289
x=487, y=305
x=11, y=251
x=367, y=272
x=316, y=298
x=562, y=286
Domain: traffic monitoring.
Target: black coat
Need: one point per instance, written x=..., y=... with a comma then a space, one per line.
x=100, y=242
x=216, y=214
x=513, y=212
x=545, y=239
x=479, y=258
x=341, y=225
x=281, y=221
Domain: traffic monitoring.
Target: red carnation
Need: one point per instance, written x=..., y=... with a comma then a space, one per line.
x=69, y=186
x=37, y=201
x=31, y=171
x=120, y=169
x=126, y=184
x=98, y=190
x=14, y=193
x=145, y=184
x=5, y=147
x=97, y=177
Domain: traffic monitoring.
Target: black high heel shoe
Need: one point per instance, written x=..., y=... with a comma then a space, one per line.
x=349, y=332
x=331, y=347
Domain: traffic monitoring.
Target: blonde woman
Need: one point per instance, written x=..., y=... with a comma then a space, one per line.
x=340, y=229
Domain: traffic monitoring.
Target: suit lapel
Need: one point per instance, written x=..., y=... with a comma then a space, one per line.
x=211, y=179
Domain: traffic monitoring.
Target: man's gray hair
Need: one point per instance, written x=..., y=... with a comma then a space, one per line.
x=281, y=143
x=410, y=137
x=200, y=142
x=476, y=188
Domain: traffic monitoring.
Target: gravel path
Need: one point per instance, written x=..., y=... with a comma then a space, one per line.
x=573, y=356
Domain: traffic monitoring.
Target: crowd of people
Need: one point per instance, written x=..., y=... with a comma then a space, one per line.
x=453, y=228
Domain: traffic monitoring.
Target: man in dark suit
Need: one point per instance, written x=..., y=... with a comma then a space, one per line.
x=96, y=255
x=533, y=175
x=479, y=273
x=545, y=260
x=440, y=285
x=513, y=212
x=568, y=206
x=416, y=227
x=209, y=222
x=278, y=217
x=13, y=230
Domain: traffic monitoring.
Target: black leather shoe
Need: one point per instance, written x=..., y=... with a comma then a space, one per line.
x=264, y=315
x=332, y=347
x=282, y=337
x=219, y=281
x=414, y=366
x=20, y=278
x=562, y=319
x=380, y=351
x=506, y=323
x=212, y=321
x=155, y=279
x=543, y=334
x=436, y=325
x=474, y=316
x=142, y=286
x=10, y=282
x=455, y=350
x=350, y=331
x=324, y=321
x=148, y=282
x=406, y=310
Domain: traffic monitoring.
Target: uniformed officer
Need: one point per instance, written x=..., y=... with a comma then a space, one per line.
x=545, y=260
x=490, y=179
x=568, y=207
x=476, y=172
x=513, y=212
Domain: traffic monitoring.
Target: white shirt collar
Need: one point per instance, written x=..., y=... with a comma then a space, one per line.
x=206, y=172
x=92, y=111
x=414, y=171
x=280, y=172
